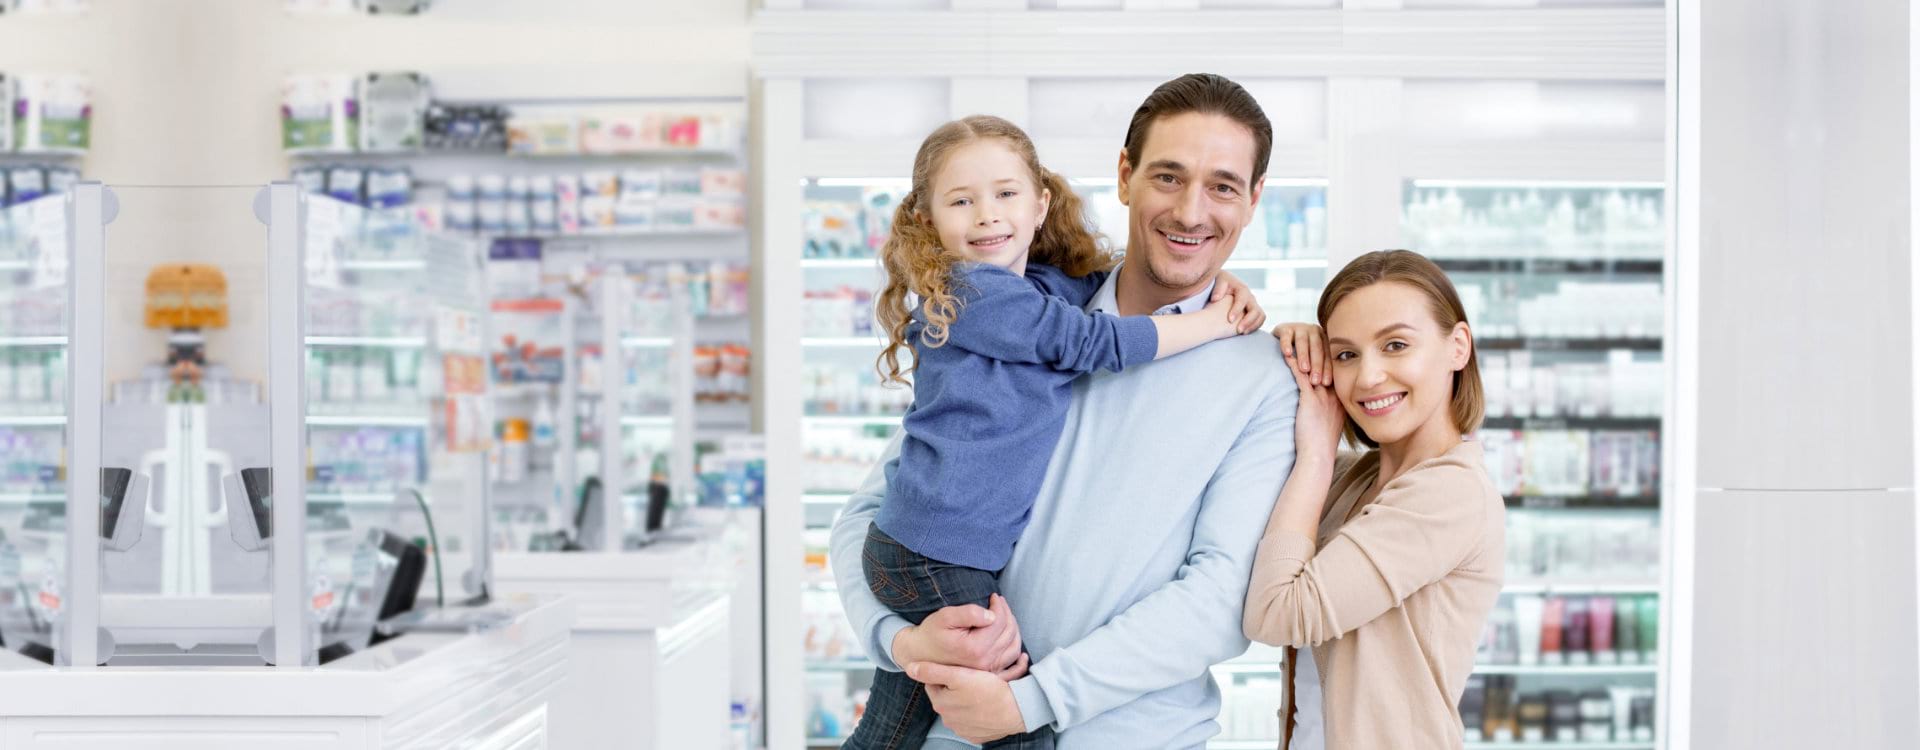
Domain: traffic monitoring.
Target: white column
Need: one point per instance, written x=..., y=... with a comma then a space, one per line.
x=777, y=270
x=1793, y=504
x=86, y=287
x=1365, y=144
x=286, y=384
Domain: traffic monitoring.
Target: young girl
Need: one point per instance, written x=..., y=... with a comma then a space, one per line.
x=1378, y=571
x=999, y=261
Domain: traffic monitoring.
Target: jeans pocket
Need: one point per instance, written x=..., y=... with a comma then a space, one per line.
x=892, y=593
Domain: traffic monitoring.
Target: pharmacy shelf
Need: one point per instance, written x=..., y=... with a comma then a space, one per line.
x=364, y=420
x=1560, y=746
x=16, y=264
x=858, y=264
x=651, y=420
x=831, y=741
x=589, y=234
x=1568, y=669
x=43, y=420
x=1274, y=264
x=23, y=498
x=379, y=342
x=1551, y=266
x=851, y=420
x=646, y=342
x=825, y=498
x=470, y=153
x=1583, y=502
x=1502, y=343
x=843, y=665
x=843, y=342
x=1575, y=588
x=383, y=265
x=1572, y=423
x=358, y=498
x=33, y=341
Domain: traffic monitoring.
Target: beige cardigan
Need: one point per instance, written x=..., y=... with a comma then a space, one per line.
x=1392, y=603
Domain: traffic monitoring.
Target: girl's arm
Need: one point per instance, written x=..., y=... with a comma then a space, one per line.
x=1005, y=318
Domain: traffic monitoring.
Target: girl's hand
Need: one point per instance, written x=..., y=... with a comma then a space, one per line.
x=1248, y=314
x=1321, y=420
x=1305, y=347
x=1224, y=315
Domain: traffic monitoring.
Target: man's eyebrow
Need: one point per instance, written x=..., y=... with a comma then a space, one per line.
x=1167, y=164
x=1230, y=176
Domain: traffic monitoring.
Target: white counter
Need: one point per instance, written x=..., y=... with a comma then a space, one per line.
x=650, y=654
x=421, y=690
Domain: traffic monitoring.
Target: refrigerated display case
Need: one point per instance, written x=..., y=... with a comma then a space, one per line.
x=1565, y=284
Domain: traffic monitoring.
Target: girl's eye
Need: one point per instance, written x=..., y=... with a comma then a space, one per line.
x=1008, y=193
x=960, y=202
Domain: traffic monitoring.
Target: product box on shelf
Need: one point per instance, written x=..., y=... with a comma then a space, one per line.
x=52, y=113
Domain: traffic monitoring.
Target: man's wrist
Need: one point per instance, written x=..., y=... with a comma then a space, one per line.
x=901, y=648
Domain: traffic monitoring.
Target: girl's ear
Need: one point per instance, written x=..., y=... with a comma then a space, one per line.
x=1462, y=341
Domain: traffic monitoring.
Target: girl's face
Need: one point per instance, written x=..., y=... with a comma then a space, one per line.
x=1393, y=365
x=985, y=206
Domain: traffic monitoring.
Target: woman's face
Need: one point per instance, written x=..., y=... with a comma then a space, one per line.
x=1393, y=365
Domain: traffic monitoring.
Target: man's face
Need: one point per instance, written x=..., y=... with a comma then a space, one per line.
x=1190, y=197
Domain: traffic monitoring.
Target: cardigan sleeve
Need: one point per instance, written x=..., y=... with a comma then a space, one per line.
x=1420, y=528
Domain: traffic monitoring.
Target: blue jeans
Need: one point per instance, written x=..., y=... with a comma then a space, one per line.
x=899, y=713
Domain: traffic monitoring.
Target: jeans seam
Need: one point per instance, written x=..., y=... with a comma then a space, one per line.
x=878, y=572
x=900, y=727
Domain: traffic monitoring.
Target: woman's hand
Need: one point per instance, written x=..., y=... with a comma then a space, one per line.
x=1305, y=347
x=1318, y=425
x=1247, y=313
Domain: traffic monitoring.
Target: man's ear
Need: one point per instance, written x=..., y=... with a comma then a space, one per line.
x=1253, y=203
x=1126, y=173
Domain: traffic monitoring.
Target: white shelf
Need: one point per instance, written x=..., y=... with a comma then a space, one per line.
x=356, y=498
x=843, y=342
x=1274, y=264
x=846, y=665
x=585, y=234
x=13, y=264
x=352, y=420
x=825, y=498
x=382, y=342
x=841, y=263
x=1559, y=745
x=1558, y=669
x=23, y=498
x=33, y=341
x=383, y=265
x=1575, y=588
x=852, y=421
x=647, y=421
x=646, y=342
x=44, y=420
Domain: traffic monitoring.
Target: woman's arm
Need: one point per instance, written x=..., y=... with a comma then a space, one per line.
x=1420, y=528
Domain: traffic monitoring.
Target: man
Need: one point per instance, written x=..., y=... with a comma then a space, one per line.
x=1129, y=579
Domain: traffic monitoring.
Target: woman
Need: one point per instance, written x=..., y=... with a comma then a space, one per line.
x=1387, y=564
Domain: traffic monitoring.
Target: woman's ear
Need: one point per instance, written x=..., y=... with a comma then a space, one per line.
x=1462, y=342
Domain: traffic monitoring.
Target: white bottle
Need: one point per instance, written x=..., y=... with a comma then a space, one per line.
x=543, y=435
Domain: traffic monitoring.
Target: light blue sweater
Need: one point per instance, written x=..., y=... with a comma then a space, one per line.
x=1129, y=580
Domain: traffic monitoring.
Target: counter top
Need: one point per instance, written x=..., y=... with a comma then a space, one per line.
x=425, y=684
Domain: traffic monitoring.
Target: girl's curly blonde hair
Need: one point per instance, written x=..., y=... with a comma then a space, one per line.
x=916, y=264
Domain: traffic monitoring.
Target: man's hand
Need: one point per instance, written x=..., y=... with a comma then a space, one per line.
x=985, y=639
x=978, y=706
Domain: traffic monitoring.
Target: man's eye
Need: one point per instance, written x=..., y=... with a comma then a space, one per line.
x=1165, y=179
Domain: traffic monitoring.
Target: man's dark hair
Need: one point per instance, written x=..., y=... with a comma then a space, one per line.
x=1205, y=93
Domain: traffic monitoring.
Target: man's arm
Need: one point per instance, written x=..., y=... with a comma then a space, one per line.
x=1192, y=622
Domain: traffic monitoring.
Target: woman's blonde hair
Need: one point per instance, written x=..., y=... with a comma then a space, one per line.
x=916, y=263
x=1414, y=270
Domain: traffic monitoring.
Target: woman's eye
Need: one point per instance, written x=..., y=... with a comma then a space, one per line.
x=1342, y=356
x=1394, y=346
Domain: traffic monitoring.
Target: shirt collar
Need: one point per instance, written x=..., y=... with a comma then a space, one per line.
x=1107, y=299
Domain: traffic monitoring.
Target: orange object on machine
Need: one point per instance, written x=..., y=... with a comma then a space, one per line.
x=186, y=295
